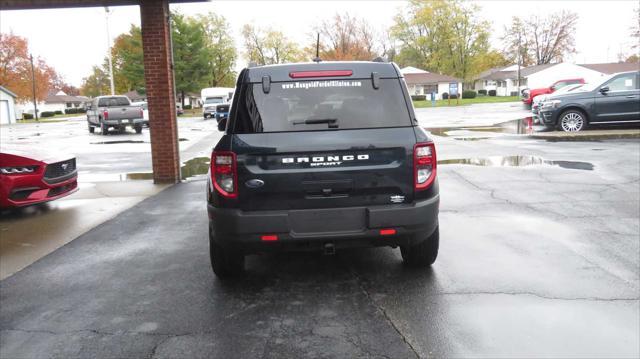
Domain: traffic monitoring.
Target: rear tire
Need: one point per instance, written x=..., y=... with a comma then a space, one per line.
x=92, y=129
x=224, y=262
x=422, y=254
x=103, y=129
x=138, y=129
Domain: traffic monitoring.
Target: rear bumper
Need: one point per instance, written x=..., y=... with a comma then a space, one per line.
x=311, y=229
x=124, y=123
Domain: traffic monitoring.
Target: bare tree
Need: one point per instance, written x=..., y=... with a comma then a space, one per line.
x=635, y=30
x=552, y=36
x=541, y=39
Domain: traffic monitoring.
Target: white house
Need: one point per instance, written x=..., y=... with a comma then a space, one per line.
x=7, y=106
x=55, y=101
x=504, y=80
x=421, y=82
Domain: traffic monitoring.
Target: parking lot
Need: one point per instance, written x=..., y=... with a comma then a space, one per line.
x=114, y=175
x=539, y=257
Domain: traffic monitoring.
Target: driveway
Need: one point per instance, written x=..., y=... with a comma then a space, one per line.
x=106, y=164
x=539, y=257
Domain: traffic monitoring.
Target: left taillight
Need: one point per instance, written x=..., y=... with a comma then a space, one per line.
x=224, y=173
x=424, y=165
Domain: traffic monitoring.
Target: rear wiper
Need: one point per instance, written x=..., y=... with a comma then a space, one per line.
x=332, y=122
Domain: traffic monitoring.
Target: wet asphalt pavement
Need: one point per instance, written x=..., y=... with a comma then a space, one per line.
x=540, y=256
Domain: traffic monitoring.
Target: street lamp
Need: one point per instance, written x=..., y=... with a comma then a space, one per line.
x=106, y=11
x=33, y=88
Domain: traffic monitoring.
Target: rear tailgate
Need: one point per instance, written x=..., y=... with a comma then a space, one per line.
x=124, y=113
x=363, y=167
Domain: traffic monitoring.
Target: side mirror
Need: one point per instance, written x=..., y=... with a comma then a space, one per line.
x=604, y=90
x=222, y=124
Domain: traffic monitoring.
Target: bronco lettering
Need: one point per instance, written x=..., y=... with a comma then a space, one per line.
x=320, y=160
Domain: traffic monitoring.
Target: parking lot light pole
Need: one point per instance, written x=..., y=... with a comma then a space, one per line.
x=113, y=92
x=33, y=88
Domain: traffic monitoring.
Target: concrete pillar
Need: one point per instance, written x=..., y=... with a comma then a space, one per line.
x=158, y=73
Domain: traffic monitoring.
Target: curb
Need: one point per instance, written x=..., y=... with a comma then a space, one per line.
x=587, y=135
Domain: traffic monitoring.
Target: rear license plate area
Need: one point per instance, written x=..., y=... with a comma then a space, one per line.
x=327, y=220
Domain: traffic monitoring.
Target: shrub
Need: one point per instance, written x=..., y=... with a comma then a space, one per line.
x=81, y=110
x=468, y=94
x=27, y=116
x=482, y=92
x=186, y=107
x=57, y=112
x=47, y=114
x=492, y=92
x=453, y=97
x=418, y=97
x=445, y=95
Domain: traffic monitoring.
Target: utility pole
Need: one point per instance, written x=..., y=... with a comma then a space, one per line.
x=33, y=89
x=113, y=91
x=518, y=57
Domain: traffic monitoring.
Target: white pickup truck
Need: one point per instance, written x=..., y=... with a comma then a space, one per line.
x=107, y=112
x=213, y=96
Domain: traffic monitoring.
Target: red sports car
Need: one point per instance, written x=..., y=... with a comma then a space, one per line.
x=28, y=178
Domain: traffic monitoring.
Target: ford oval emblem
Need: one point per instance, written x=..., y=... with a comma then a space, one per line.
x=254, y=183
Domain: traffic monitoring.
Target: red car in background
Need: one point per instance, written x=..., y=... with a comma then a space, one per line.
x=27, y=177
x=528, y=95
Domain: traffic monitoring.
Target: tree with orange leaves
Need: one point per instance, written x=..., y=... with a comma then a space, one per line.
x=346, y=37
x=15, y=69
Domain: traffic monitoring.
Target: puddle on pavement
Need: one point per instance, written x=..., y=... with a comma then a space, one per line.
x=117, y=142
x=193, y=167
x=517, y=161
x=523, y=126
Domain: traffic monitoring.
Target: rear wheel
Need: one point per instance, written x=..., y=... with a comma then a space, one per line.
x=422, y=254
x=572, y=121
x=224, y=262
x=104, y=128
x=138, y=128
x=91, y=129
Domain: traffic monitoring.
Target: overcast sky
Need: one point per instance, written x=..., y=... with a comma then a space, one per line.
x=73, y=40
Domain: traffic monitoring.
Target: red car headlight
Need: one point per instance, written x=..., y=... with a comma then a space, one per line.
x=18, y=170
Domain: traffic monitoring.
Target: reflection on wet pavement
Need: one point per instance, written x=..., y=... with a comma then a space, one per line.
x=193, y=167
x=517, y=161
x=117, y=142
x=516, y=127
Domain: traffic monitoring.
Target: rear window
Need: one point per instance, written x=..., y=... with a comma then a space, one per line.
x=113, y=101
x=321, y=105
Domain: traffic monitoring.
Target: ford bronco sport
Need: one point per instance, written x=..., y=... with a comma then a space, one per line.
x=322, y=156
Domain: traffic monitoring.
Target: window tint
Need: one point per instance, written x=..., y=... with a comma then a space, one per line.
x=113, y=101
x=320, y=105
x=623, y=83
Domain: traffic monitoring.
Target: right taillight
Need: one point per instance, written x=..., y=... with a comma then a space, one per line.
x=223, y=173
x=105, y=114
x=424, y=165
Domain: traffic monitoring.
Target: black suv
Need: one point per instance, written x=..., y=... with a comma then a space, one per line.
x=321, y=156
x=615, y=100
